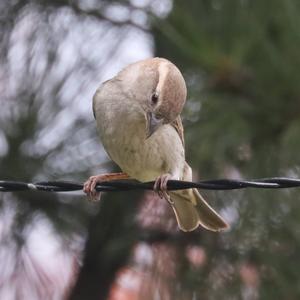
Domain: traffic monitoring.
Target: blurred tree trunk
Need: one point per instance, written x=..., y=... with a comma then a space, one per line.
x=111, y=236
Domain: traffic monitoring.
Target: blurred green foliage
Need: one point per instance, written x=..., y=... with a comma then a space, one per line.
x=241, y=62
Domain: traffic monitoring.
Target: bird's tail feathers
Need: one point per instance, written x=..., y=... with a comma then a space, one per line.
x=192, y=210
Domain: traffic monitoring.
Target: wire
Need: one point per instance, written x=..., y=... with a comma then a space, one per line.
x=126, y=185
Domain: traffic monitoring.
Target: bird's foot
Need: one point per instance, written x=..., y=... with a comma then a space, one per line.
x=89, y=186
x=160, y=186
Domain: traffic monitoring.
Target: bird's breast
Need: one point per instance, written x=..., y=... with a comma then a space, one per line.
x=123, y=134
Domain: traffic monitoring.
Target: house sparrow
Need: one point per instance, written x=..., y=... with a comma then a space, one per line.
x=138, y=120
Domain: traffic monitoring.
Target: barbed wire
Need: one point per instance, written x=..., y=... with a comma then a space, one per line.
x=126, y=185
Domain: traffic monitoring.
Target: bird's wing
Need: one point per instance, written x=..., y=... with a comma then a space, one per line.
x=94, y=110
x=98, y=90
x=177, y=124
x=189, y=206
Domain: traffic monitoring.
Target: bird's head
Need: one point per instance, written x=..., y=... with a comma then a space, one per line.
x=160, y=90
x=166, y=98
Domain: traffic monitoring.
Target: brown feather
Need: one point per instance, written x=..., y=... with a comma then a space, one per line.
x=177, y=124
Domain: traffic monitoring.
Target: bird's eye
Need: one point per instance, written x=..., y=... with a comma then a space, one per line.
x=154, y=98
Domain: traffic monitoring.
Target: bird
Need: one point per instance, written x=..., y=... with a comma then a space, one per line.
x=137, y=113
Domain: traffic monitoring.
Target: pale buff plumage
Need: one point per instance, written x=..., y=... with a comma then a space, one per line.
x=121, y=106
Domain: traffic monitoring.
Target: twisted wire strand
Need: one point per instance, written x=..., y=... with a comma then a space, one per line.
x=126, y=185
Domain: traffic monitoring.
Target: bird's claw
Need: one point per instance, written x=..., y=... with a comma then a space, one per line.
x=89, y=187
x=161, y=187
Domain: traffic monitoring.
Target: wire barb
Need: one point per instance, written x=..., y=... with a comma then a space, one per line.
x=126, y=185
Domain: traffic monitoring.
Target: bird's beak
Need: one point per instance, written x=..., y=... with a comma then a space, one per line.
x=153, y=123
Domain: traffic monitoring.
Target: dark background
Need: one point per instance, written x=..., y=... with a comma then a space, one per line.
x=241, y=63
